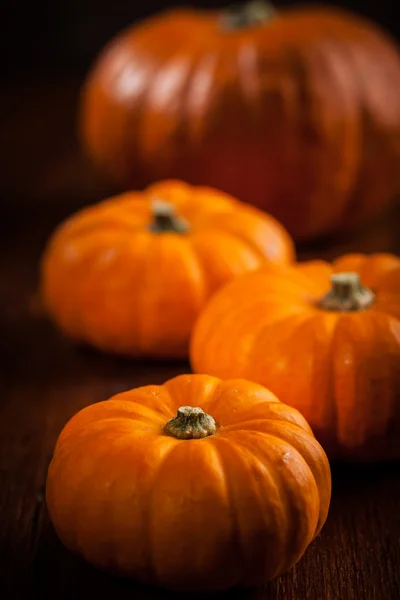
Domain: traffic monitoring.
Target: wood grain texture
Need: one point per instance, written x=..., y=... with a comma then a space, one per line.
x=44, y=380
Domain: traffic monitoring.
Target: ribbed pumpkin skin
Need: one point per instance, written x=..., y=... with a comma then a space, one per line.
x=299, y=115
x=340, y=370
x=237, y=507
x=109, y=281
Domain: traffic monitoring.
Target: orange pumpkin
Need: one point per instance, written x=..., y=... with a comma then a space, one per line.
x=296, y=111
x=229, y=491
x=130, y=274
x=333, y=355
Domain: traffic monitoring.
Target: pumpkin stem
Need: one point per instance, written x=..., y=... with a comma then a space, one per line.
x=165, y=218
x=347, y=293
x=251, y=13
x=190, y=423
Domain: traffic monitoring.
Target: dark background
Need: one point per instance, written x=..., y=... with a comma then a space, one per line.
x=43, y=37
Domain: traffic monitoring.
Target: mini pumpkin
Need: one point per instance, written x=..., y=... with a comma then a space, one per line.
x=130, y=274
x=294, y=110
x=230, y=491
x=324, y=338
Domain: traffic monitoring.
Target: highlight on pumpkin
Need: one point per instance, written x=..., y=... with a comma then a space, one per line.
x=327, y=165
x=325, y=338
x=233, y=469
x=144, y=263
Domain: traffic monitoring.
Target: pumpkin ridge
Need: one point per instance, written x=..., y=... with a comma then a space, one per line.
x=84, y=319
x=93, y=229
x=299, y=319
x=211, y=404
x=275, y=430
x=151, y=570
x=181, y=447
x=87, y=432
x=196, y=44
x=173, y=389
x=274, y=412
x=379, y=387
x=135, y=421
x=77, y=496
x=382, y=309
x=287, y=502
x=368, y=128
x=132, y=419
x=248, y=243
x=150, y=509
x=92, y=218
x=307, y=454
x=353, y=158
x=134, y=121
x=346, y=160
x=220, y=443
x=249, y=80
x=330, y=375
x=78, y=448
x=245, y=425
x=162, y=411
x=183, y=124
x=221, y=391
x=230, y=238
x=113, y=541
x=81, y=286
x=290, y=340
x=230, y=318
x=145, y=274
x=268, y=463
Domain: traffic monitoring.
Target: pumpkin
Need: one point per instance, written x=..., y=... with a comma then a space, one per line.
x=325, y=338
x=130, y=274
x=197, y=484
x=296, y=111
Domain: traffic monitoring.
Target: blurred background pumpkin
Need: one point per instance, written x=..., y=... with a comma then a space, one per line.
x=295, y=111
x=131, y=274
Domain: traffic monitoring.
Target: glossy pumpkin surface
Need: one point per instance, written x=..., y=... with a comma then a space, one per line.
x=130, y=275
x=230, y=491
x=295, y=111
x=337, y=364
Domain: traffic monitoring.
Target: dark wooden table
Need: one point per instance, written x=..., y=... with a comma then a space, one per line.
x=45, y=380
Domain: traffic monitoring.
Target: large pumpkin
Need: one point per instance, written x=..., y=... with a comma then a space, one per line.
x=333, y=355
x=196, y=484
x=296, y=112
x=130, y=274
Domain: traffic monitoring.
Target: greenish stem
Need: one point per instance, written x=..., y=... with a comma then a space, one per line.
x=347, y=294
x=239, y=16
x=165, y=219
x=190, y=423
